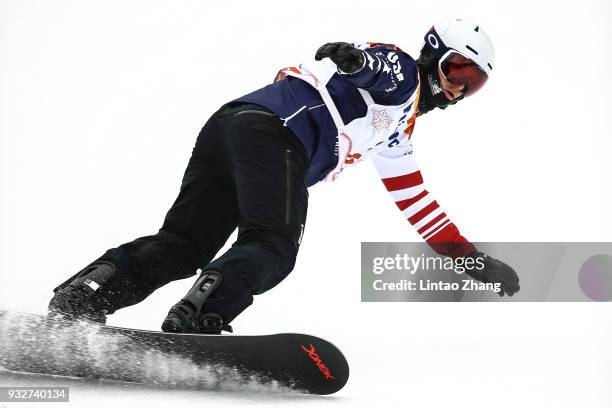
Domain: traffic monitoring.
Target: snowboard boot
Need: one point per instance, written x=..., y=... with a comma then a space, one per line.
x=79, y=297
x=187, y=316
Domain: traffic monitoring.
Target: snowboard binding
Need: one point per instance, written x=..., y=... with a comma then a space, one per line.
x=79, y=297
x=187, y=317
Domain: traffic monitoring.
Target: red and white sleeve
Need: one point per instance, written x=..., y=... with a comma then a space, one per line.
x=403, y=180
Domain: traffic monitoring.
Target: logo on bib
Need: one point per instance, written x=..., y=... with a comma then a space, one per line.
x=381, y=120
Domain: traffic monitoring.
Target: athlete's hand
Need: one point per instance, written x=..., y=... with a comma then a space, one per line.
x=349, y=59
x=495, y=271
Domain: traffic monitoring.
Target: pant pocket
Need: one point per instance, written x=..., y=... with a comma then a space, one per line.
x=257, y=112
x=288, y=186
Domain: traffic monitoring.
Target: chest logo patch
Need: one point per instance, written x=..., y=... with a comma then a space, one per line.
x=381, y=120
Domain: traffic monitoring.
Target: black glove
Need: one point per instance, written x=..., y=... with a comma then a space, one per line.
x=349, y=59
x=495, y=271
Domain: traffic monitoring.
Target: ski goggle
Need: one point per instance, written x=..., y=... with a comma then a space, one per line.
x=460, y=70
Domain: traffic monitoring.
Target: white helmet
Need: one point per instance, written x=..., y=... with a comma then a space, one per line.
x=467, y=38
x=462, y=53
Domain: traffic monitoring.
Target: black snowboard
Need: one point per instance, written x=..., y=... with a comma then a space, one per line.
x=279, y=362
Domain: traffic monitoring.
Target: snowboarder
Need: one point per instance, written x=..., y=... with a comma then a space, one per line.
x=254, y=160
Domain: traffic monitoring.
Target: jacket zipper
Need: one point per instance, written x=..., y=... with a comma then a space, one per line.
x=288, y=186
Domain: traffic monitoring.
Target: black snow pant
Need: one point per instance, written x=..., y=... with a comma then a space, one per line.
x=248, y=171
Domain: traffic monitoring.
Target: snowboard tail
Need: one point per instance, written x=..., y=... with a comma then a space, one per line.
x=289, y=362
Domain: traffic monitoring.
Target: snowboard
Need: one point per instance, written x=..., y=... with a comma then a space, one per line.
x=287, y=362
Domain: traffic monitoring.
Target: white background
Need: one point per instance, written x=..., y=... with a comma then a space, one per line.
x=100, y=104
